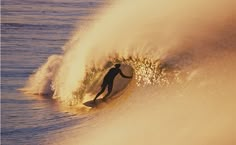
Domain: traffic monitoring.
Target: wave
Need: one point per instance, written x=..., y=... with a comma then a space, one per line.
x=146, y=72
x=152, y=44
x=182, y=55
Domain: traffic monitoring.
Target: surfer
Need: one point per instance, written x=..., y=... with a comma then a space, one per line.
x=108, y=81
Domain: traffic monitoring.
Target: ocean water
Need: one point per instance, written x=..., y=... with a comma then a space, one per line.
x=180, y=53
x=30, y=32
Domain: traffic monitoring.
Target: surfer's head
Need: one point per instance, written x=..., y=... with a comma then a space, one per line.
x=117, y=65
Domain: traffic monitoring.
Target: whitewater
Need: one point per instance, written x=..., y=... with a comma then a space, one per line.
x=182, y=57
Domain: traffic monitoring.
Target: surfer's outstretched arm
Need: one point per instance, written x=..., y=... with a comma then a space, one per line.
x=124, y=76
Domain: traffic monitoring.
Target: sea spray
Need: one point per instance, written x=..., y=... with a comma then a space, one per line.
x=41, y=83
x=177, y=34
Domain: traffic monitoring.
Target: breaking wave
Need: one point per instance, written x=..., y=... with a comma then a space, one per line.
x=182, y=56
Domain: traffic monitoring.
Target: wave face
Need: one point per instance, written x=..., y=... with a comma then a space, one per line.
x=182, y=54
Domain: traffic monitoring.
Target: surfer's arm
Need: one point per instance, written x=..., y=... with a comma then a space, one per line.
x=124, y=76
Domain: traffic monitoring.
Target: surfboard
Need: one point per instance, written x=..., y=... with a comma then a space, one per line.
x=92, y=104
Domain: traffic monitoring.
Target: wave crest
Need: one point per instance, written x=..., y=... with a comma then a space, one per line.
x=145, y=71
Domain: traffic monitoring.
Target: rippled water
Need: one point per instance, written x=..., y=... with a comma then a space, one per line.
x=31, y=31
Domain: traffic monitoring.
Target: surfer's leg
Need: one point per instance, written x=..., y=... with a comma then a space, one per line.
x=102, y=90
x=110, y=86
